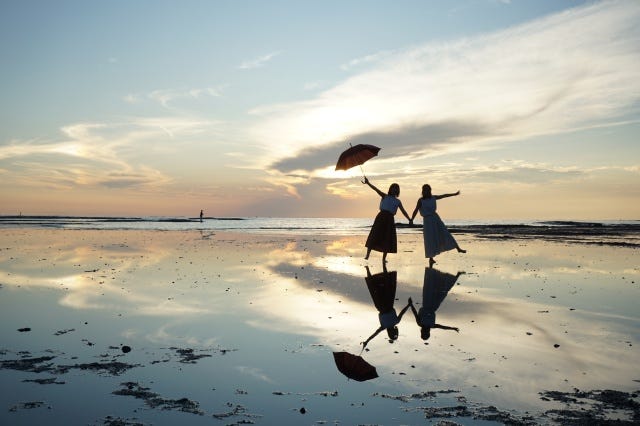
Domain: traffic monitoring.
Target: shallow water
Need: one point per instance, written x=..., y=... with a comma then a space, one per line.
x=244, y=326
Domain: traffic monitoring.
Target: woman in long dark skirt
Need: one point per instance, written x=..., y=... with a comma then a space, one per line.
x=383, y=237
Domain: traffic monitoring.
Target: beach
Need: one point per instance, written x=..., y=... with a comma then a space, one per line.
x=128, y=327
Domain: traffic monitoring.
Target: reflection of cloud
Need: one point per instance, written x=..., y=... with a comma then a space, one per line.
x=89, y=283
x=255, y=372
x=551, y=75
x=506, y=344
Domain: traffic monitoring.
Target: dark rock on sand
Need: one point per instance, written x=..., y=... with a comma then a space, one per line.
x=48, y=381
x=27, y=406
x=154, y=400
x=34, y=365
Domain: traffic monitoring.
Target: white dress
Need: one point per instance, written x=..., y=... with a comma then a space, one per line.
x=437, y=238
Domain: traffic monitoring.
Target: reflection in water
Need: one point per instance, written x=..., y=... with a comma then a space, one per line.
x=354, y=366
x=382, y=287
x=535, y=317
x=435, y=288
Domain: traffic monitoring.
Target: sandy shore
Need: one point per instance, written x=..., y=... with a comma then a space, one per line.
x=152, y=327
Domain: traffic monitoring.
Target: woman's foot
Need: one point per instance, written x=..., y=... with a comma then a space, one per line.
x=460, y=250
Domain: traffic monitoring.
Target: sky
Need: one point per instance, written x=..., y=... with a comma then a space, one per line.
x=531, y=108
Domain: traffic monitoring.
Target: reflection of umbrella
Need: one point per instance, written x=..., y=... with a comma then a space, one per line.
x=356, y=156
x=354, y=367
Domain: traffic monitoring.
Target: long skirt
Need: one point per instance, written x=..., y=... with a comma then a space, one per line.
x=382, y=236
x=437, y=238
x=382, y=288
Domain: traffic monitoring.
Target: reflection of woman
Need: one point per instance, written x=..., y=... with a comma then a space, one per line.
x=435, y=288
x=382, y=288
x=382, y=236
x=437, y=238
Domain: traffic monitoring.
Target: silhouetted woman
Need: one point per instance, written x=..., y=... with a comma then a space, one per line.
x=383, y=237
x=382, y=288
x=437, y=238
x=435, y=288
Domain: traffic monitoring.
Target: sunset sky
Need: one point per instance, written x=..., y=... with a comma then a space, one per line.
x=531, y=108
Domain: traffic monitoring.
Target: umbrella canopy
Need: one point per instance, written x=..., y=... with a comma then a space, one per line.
x=354, y=366
x=356, y=156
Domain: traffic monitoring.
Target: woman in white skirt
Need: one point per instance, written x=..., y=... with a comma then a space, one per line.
x=437, y=238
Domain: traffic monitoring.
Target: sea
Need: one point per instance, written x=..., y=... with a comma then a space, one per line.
x=289, y=225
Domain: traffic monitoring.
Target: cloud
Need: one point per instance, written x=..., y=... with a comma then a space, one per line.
x=96, y=154
x=405, y=143
x=368, y=59
x=553, y=75
x=166, y=97
x=258, y=62
x=513, y=172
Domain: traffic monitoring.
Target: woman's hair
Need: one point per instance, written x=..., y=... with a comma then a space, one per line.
x=426, y=190
x=393, y=333
x=425, y=333
x=394, y=189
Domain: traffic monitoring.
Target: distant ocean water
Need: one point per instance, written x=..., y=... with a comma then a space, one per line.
x=297, y=226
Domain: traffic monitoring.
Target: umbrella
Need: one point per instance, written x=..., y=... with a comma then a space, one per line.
x=356, y=156
x=354, y=366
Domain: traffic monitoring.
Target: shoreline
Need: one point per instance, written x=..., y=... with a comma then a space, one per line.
x=241, y=326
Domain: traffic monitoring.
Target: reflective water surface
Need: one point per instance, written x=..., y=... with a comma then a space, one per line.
x=229, y=328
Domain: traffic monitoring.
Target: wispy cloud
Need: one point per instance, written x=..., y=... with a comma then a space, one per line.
x=258, y=62
x=166, y=96
x=255, y=373
x=96, y=154
x=553, y=75
x=368, y=59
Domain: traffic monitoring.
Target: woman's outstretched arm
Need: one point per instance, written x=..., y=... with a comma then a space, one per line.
x=366, y=181
x=446, y=327
x=375, y=333
x=437, y=197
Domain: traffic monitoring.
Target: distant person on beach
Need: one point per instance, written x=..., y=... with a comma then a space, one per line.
x=436, y=286
x=382, y=288
x=201, y=215
x=437, y=238
x=383, y=237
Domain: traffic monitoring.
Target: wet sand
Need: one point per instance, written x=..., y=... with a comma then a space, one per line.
x=152, y=327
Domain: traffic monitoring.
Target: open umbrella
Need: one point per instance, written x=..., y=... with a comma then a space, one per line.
x=356, y=156
x=354, y=366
